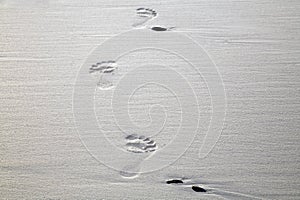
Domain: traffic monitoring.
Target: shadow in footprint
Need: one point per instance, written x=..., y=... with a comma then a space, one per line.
x=174, y=181
x=161, y=29
x=195, y=188
x=144, y=15
x=198, y=189
x=158, y=28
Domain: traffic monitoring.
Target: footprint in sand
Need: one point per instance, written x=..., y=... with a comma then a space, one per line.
x=161, y=28
x=105, y=70
x=140, y=144
x=144, y=15
x=103, y=67
x=146, y=12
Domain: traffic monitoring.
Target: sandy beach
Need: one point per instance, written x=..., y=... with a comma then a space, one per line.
x=148, y=99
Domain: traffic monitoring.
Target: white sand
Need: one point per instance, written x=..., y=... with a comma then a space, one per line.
x=255, y=45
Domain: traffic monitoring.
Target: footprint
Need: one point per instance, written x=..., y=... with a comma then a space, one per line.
x=105, y=70
x=137, y=144
x=103, y=67
x=144, y=15
x=140, y=144
x=146, y=12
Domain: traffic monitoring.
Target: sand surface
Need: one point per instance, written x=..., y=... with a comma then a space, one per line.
x=46, y=154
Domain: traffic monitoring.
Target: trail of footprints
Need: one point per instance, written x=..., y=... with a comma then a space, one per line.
x=140, y=144
x=105, y=68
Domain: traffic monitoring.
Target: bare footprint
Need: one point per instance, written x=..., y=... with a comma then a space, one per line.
x=144, y=15
x=146, y=12
x=141, y=145
x=104, y=71
x=103, y=67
